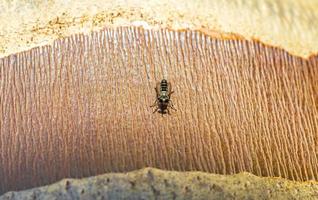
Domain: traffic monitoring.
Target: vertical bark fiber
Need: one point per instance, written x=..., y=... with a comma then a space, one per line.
x=81, y=107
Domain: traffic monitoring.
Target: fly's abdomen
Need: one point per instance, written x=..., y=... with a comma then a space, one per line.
x=164, y=85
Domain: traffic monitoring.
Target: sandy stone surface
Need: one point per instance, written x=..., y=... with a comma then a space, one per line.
x=289, y=24
x=150, y=183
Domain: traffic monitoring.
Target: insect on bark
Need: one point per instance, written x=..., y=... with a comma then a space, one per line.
x=163, y=101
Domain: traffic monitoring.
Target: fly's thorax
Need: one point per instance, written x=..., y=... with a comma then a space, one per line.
x=164, y=93
x=163, y=98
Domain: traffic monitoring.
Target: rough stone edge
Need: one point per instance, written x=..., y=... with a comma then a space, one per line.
x=151, y=183
x=28, y=24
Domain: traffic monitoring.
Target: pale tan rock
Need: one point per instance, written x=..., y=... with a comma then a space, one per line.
x=291, y=25
x=152, y=183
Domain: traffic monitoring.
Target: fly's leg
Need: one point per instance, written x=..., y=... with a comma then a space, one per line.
x=156, y=110
x=154, y=104
x=168, y=111
x=171, y=106
x=170, y=93
x=156, y=89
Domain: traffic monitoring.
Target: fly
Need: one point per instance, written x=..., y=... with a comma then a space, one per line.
x=163, y=101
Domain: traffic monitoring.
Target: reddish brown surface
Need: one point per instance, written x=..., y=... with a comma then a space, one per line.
x=81, y=107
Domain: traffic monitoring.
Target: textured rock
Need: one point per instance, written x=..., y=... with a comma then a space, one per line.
x=156, y=184
x=81, y=108
x=289, y=24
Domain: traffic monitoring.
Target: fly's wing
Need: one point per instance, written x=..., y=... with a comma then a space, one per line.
x=169, y=88
x=158, y=89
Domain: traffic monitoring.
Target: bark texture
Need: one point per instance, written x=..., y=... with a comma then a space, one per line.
x=81, y=107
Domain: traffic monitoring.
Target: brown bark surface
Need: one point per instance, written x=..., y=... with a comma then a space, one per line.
x=80, y=107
